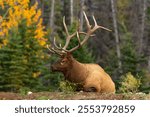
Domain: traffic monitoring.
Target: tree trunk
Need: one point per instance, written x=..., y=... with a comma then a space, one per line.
x=71, y=11
x=149, y=63
x=116, y=35
x=144, y=7
x=51, y=19
x=81, y=14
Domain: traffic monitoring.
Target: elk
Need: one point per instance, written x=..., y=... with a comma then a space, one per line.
x=91, y=77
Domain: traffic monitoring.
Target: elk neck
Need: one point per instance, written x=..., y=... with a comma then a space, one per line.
x=77, y=72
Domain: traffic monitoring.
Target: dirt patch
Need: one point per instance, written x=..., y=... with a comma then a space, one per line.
x=72, y=96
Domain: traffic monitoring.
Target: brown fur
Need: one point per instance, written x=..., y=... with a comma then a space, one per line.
x=88, y=75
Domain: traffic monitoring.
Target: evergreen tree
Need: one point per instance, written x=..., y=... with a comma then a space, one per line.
x=21, y=47
x=21, y=59
x=130, y=58
x=11, y=69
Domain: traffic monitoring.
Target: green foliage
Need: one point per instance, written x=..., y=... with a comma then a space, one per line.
x=66, y=86
x=111, y=65
x=145, y=87
x=129, y=84
x=129, y=58
x=23, y=90
x=43, y=98
x=20, y=60
x=50, y=80
x=10, y=70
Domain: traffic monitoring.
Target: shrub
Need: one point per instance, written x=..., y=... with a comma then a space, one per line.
x=129, y=83
x=145, y=87
x=24, y=90
x=66, y=86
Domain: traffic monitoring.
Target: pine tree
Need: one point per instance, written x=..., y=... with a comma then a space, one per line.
x=22, y=57
x=11, y=69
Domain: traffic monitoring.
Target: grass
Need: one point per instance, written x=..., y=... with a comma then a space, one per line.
x=73, y=96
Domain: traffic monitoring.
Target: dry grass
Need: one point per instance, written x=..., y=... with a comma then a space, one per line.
x=73, y=96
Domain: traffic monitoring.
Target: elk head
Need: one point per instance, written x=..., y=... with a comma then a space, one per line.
x=66, y=58
x=63, y=64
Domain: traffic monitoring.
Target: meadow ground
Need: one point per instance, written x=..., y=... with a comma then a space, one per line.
x=72, y=96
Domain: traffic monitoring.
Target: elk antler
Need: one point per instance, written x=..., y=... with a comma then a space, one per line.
x=63, y=50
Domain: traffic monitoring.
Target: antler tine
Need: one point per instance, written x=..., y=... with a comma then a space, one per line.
x=87, y=21
x=79, y=30
x=98, y=26
x=52, y=50
x=56, y=44
x=64, y=23
x=105, y=28
x=94, y=21
x=49, y=49
x=68, y=38
x=56, y=49
x=79, y=40
x=60, y=49
x=86, y=34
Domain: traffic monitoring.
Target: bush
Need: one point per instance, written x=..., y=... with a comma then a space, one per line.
x=24, y=90
x=129, y=83
x=145, y=87
x=66, y=86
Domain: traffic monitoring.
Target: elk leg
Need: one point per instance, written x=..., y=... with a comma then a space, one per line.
x=91, y=88
x=92, y=85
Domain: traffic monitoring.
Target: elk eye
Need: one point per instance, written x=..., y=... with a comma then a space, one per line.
x=62, y=62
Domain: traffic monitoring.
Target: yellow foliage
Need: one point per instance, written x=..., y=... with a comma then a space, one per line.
x=66, y=86
x=42, y=42
x=16, y=11
x=2, y=4
x=36, y=74
x=129, y=83
x=1, y=46
x=5, y=41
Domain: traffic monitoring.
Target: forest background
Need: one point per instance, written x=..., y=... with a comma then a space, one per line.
x=27, y=26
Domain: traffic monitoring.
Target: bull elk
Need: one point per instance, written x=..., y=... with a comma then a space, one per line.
x=89, y=76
